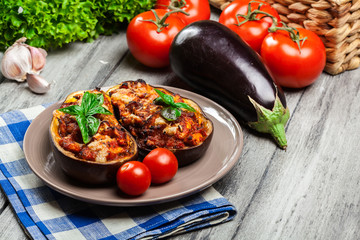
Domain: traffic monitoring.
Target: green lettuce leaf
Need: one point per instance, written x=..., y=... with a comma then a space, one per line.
x=53, y=23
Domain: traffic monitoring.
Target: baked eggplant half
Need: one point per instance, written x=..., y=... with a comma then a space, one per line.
x=180, y=126
x=92, y=159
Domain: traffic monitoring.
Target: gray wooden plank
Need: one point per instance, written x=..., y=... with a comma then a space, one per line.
x=9, y=227
x=309, y=192
x=242, y=184
x=75, y=67
x=312, y=192
x=3, y=200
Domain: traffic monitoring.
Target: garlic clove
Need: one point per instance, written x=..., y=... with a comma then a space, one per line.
x=37, y=83
x=38, y=56
x=16, y=62
x=21, y=40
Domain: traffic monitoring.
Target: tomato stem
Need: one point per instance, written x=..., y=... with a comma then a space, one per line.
x=178, y=8
x=293, y=32
x=178, y=3
x=251, y=15
x=160, y=23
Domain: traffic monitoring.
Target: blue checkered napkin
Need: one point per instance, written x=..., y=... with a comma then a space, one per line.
x=45, y=213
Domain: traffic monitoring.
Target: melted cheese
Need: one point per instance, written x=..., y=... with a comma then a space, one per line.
x=160, y=121
x=101, y=149
x=170, y=130
x=124, y=96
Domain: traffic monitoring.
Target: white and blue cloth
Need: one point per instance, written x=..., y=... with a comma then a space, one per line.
x=47, y=214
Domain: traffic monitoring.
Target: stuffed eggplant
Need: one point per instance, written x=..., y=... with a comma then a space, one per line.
x=142, y=111
x=87, y=140
x=216, y=61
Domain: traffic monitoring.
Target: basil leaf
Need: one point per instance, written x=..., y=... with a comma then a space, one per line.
x=93, y=125
x=96, y=100
x=185, y=106
x=98, y=110
x=168, y=99
x=91, y=104
x=159, y=101
x=91, y=100
x=170, y=113
x=72, y=110
x=177, y=112
x=85, y=102
x=82, y=122
x=100, y=99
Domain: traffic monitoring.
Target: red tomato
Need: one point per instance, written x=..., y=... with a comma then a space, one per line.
x=163, y=165
x=197, y=9
x=252, y=31
x=289, y=66
x=146, y=44
x=133, y=178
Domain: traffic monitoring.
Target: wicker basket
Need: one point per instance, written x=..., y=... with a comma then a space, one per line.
x=336, y=22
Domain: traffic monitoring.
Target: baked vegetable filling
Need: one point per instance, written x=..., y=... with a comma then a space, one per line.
x=141, y=116
x=110, y=142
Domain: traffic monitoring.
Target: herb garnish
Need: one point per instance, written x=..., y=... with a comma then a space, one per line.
x=171, y=110
x=91, y=104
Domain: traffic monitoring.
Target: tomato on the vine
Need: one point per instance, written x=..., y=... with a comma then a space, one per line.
x=133, y=178
x=162, y=163
x=196, y=9
x=294, y=65
x=250, y=20
x=150, y=34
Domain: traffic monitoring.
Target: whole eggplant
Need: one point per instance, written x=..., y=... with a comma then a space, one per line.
x=217, y=62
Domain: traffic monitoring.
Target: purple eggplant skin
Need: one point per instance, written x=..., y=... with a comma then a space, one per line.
x=216, y=62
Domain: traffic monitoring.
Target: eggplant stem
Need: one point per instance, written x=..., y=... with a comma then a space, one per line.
x=277, y=131
x=272, y=121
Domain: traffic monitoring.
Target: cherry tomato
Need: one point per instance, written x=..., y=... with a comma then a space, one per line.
x=197, y=9
x=147, y=42
x=163, y=165
x=254, y=30
x=133, y=178
x=290, y=66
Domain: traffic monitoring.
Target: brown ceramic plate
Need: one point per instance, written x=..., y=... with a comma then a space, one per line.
x=223, y=153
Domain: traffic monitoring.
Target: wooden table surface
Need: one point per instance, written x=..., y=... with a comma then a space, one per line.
x=309, y=191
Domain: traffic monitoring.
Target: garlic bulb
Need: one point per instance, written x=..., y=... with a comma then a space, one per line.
x=16, y=62
x=23, y=62
x=37, y=83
